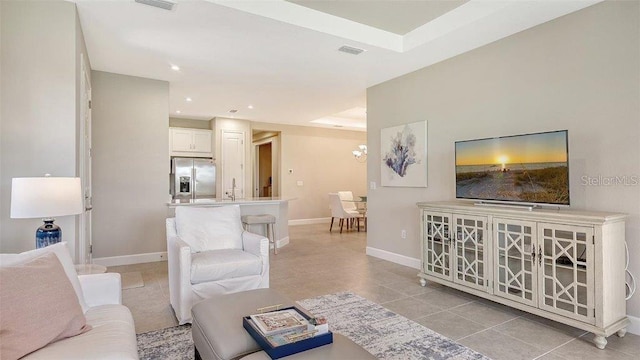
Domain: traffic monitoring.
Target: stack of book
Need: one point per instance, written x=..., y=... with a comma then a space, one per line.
x=287, y=331
x=287, y=326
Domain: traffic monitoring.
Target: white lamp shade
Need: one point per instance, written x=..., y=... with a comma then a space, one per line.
x=43, y=197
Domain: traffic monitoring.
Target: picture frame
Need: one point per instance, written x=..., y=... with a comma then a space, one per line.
x=404, y=155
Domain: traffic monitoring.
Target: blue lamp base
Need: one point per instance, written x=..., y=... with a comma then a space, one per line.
x=48, y=234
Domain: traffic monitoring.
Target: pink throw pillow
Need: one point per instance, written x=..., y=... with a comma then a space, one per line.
x=38, y=306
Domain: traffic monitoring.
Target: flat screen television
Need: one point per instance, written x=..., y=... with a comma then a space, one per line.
x=527, y=169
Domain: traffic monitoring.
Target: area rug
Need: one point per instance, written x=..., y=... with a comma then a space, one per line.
x=131, y=280
x=174, y=343
x=380, y=331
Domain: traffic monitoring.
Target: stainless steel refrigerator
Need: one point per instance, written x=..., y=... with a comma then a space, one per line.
x=193, y=178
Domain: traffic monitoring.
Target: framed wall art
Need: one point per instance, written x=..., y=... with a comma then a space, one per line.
x=404, y=155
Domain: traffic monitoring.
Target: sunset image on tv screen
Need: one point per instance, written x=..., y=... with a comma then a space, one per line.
x=529, y=168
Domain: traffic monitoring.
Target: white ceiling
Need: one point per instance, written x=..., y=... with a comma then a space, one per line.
x=281, y=57
x=396, y=16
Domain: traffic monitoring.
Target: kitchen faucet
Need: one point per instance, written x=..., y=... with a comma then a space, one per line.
x=233, y=189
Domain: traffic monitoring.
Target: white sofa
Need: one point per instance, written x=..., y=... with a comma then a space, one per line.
x=195, y=276
x=113, y=334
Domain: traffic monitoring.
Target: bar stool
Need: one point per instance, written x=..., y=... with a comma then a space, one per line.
x=263, y=219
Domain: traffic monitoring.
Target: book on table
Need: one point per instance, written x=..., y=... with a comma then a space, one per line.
x=281, y=321
x=287, y=331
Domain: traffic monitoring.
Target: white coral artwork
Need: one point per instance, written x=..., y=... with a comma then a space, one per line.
x=404, y=155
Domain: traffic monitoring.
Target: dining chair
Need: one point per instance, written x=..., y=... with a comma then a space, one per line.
x=346, y=197
x=338, y=211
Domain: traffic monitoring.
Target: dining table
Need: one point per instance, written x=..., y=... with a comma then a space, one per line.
x=361, y=207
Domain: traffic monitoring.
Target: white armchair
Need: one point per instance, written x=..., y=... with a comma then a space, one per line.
x=200, y=268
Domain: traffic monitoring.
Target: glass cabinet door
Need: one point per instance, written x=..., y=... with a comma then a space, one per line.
x=437, y=245
x=515, y=267
x=566, y=273
x=469, y=257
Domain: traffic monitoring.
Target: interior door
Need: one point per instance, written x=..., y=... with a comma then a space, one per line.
x=233, y=163
x=86, y=242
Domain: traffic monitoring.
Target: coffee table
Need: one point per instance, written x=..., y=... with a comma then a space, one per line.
x=341, y=349
x=217, y=323
x=218, y=333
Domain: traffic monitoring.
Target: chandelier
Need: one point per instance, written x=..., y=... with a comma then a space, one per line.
x=361, y=153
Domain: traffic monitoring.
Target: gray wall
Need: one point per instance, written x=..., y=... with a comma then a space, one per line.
x=40, y=65
x=579, y=72
x=130, y=164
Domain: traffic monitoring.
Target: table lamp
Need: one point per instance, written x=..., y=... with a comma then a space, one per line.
x=46, y=197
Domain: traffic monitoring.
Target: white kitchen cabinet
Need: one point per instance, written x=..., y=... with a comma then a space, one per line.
x=190, y=142
x=561, y=264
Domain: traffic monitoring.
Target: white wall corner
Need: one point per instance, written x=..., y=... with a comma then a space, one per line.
x=395, y=258
x=131, y=259
x=634, y=327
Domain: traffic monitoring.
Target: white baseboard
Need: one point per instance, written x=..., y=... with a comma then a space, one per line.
x=634, y=327
x=131, y=259
x=395, y=258
x=282, y=242
x=309, y=221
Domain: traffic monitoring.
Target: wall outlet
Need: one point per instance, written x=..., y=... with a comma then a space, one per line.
x=372, y=185
x=300, y=183
x=403, y=234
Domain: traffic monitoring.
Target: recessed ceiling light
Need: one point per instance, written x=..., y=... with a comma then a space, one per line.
x=178, y=111
x=175, y=67
x=188, y=99
x=250, y=106
x=351, y=50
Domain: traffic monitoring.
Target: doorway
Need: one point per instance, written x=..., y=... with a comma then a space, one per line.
x=264, y=170
x=266, y=163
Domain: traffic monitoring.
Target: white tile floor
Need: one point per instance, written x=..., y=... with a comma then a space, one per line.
x=317, y=262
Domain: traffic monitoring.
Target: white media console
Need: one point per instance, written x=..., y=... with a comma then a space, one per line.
x=564, y=265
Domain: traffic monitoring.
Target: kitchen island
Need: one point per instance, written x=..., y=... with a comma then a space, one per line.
x=276, y=206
